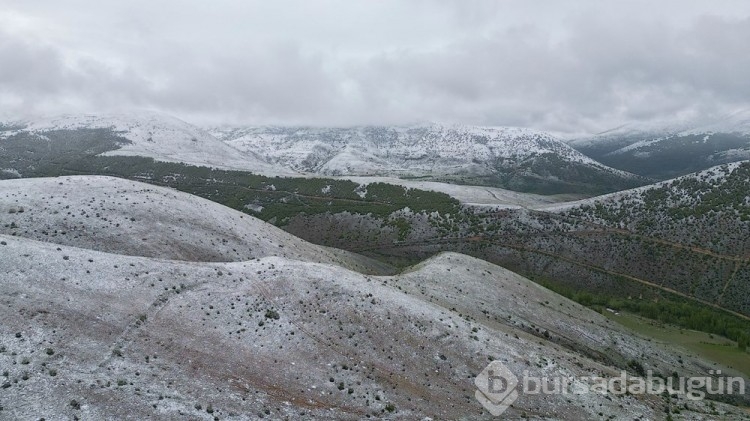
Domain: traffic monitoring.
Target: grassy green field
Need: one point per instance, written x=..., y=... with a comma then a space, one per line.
x=710, y=347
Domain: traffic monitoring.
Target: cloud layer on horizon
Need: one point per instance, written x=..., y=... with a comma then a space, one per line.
x=334, y=62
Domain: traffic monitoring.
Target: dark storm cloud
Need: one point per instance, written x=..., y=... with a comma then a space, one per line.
x=556, y=67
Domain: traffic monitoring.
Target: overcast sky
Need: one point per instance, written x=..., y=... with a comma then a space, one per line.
x=565, y=66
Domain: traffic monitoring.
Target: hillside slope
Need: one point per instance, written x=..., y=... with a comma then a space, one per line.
x=99, y=336
x=683, y=241
x=126, y=217
x=148, y=134
x=710, y=209
x=706, y=215
x=514, y=158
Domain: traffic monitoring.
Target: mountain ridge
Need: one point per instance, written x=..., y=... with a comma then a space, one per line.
x=132, y=218
x=517, y=159
x=665, y=150
x=507, y=157
x=150, y=134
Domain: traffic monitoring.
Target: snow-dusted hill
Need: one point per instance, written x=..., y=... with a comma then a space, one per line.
x=91, y=335
x=708, y=210
x=98, y=324
x=132, y=218
x=716, y=176
x=671, y=149
x=500, y=156
x=153, y=135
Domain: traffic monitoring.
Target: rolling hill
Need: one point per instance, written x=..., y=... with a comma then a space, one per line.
x=147, y=134
x=125, y=217
x=683, y=241
x=708, y=209
x=94, y=335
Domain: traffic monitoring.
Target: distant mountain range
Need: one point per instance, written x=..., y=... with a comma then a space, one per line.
x=518, y=159
x=138, y=283
x=511, y=158
x=664, y=151
x=514, y=158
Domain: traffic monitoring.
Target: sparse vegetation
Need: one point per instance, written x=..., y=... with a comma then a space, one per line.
x=272, y=314
x=637, y=367
x=365, y=353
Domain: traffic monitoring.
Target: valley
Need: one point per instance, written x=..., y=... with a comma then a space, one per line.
x=376, y=210
x=253, y=280
x=286, y=337
x=705, y=345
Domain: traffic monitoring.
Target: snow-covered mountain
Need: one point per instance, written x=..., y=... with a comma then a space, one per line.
x=517, y=159
x=514, y=158
x=149, y=134
x=665, y=150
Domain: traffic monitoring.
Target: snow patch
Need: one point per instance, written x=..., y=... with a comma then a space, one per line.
x=11, y=172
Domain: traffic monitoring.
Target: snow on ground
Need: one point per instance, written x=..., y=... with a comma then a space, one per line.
x=644, y=130
x=470, y=195
x=644, y=134
x=145, y=338
x=281, y=335
x=163, y=138
x=714, y=173
x=11, y=172
x=424, y=150
x=133, y=218
x=433, y=150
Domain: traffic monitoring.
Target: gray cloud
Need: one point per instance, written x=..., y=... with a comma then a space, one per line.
x=561, y=68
